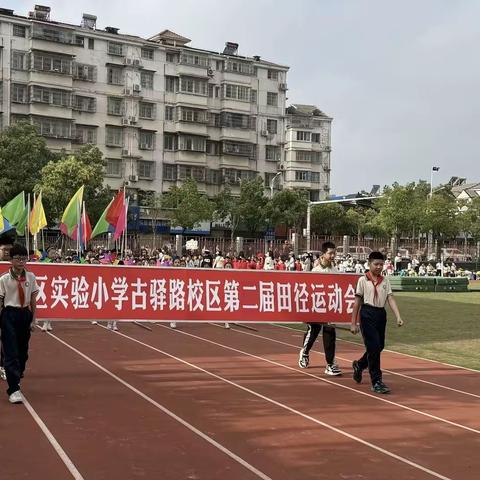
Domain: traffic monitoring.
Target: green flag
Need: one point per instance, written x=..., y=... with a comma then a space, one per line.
x=22, y=222
x=102, y=225
x=14, y=209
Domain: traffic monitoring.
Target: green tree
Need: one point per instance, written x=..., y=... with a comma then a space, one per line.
x=328, y=219
x=253, y=204
x=288, y=207
x=153, y=201
x=227, y=209
x=23, y=154
x=62, y=178
x=186, y=205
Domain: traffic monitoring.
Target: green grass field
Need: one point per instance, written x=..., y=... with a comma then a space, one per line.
x=438, y=326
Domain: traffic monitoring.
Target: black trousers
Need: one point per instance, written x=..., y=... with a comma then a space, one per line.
x=329, y=340
x=15, y=332
x=373, y=321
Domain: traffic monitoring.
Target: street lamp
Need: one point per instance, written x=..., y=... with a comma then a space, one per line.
x=323, y=202
x=272, y=181
x=434, y=169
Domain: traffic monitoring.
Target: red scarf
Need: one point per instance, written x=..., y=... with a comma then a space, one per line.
x=20, y=281
x=375, y=284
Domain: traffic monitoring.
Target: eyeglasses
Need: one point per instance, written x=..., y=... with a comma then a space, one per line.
x=20, y=258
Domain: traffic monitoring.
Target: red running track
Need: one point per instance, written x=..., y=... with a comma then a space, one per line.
x=207, y=403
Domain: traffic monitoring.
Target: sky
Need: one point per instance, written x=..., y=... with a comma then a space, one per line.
x=400, y=79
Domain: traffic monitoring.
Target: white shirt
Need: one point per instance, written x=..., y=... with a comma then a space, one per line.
x=9, y=289
x=321, y=269
x=366, y=290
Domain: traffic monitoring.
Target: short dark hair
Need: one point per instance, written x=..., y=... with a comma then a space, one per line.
x=376, y=256
x=327, y=245
x=18, y=249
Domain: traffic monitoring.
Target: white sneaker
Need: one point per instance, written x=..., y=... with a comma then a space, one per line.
x=114, y=326
x=109, y=325
x=94, y=323
x=333, y=370
x=49, y=326
x=173, y=324
x=16, y=397
x=227, y=325
x=3, y=375
x=44, y=327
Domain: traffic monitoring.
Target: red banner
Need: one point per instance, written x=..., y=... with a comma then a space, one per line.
x=73, y=292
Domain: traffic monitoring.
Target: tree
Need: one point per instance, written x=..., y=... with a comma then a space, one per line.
x=62, y=178
x=328, y=219
x=288, y=207
x=23, y=154
x=227, y=209
x=153, y=201
x=252, y=203
x=187, y=206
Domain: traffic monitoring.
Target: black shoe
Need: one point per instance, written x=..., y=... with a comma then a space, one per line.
x=380, y=387
x=357, y=371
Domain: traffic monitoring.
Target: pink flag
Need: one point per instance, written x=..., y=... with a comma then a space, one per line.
x=121, y=222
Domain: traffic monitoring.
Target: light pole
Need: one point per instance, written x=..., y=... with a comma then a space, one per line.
x=272, y=181
x=323, y=202
x=430, y=234
x=434, y=169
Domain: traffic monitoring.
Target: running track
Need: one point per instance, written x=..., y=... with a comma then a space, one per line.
x=202, y=402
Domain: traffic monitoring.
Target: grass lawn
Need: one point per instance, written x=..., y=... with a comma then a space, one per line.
x=439, y=326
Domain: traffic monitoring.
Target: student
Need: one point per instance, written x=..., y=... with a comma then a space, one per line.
x=5, y=245
x=373, y=292
x=18, y=291
x=329, y=336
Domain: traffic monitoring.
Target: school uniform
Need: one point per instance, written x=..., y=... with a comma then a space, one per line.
x=373, y=321
x=15, y=322
x=329, y=335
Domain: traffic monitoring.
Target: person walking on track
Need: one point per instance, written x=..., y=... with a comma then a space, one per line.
x=373, y=292
x=18, y=291
x=5, y=245
x=329, y=335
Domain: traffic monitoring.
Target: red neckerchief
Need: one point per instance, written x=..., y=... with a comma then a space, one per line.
x=375, y=284
x=20, y=281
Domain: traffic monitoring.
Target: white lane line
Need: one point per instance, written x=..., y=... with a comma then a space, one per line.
x=391, y=372
x=325, y=380
x=53, y=441
x=282, y=405
x=165, y=410
x=390, y=351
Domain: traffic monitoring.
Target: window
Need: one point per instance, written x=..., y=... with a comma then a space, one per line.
x=169, y=142
x=115, y=76
x=315, y=177
x=272, y=74
x=115, y=48
x=302, y=175
x=59, y=98
x=79, y=41
x=192, y=143
x=213, y=177
x=272, y=153
x=236, y=120
x=214, y=119
x=316, y=157
x=84, y=72
x=303, y=156
x=147, y=53
x=253, y=96
x=172, y=57
x=197, y=173
x=146, y=140
x=169, y=112
x=146, y=110
x=52, y=34
x=19, y=93
x=191, y=115
x=240, y=67
x=194, y=60
x=85, y=104
x=85, y=134
x=169, y=172
x=19, y=31
x=193, y=85
x=214, y=148
x=272, y=99
x=303, y=136
x=114, y=137
x=113, y=167
x=271, y=126
x=268, y=178
x=171, y=84
x=315, y=137
x=237, y=92
x=115, y=106
x=146, y=80
x=244, y=149
x=91, y=43
x=219, y=65
x=145, y=169
x=52, y=63
x=19, y=60
x=53, y=127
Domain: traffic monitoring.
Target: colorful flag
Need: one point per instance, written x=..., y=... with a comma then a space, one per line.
x=4, y=223
x=85, y=230
x=37, y=216
x=71, y=215
x=21, y=225
x=13, y=210
x=121, y=223
x=116, y=208
x=102, y=225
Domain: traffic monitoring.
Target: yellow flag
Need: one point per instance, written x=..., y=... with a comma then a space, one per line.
x=37, y=216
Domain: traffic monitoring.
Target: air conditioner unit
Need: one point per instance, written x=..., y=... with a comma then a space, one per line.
x=128, y=61
x=133, y=120
x=210, y=71
x=328, y=149
x=283, y=87
x=137, y=62
x=128, y=91
x=137, y=88
x=280, y=167
x=264, y=133
x=133, y=178
x=125, y=152
x=125, y=121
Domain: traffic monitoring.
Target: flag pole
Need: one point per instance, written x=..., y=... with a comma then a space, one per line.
x=79, y=216
x=34, y=235
x=126, y=225
x=84, y=230
x=27, y=232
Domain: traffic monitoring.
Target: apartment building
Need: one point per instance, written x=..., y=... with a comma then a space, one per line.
x=160, y=110
x=307, y=150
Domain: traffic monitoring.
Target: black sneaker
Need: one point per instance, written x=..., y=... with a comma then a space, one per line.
x=357, y=371
x=303, y=360
x=380, y=387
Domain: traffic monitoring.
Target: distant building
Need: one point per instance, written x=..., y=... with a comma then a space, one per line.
x=463, y=190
